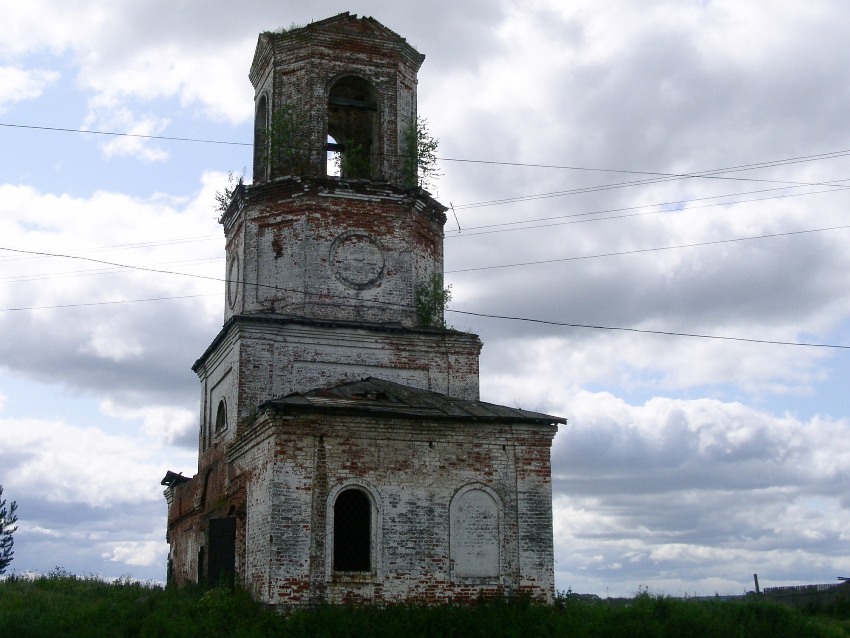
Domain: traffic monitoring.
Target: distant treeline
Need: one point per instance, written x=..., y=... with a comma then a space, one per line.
x=60, y=604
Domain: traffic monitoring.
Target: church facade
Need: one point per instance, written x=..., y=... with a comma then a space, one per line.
x=344, y=454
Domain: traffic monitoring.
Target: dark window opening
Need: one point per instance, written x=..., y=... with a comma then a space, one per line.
x=352, y=532
x=206, y=488
x=261, y=141
x=221, y=416
x=201, y=565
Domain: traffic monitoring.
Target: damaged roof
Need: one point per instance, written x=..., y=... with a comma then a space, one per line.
x=373, y=396
x=344, y=26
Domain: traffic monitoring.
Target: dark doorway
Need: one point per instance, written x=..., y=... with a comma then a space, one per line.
x=352, y=532
x=222, y=551
x=201, y=565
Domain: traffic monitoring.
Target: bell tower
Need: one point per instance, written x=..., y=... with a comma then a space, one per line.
x=348, y=79
x=331, y=277
x=356, y=245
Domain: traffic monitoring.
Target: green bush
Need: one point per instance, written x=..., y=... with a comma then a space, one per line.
x=60, y=604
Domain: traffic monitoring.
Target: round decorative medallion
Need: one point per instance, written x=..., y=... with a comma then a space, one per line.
x=233, y=281
x=357, y=260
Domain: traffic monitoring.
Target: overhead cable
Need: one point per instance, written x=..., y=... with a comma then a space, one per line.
x=648, y=250
x=390, y=304
x=661, y=177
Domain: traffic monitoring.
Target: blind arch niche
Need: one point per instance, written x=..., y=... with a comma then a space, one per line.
x=476, y=533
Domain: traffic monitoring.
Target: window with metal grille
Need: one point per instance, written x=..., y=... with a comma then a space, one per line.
x=352, y=532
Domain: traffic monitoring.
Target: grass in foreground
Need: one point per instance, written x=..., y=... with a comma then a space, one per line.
x=60, y=604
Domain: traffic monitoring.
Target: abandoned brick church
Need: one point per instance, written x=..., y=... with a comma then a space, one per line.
x=343, y=453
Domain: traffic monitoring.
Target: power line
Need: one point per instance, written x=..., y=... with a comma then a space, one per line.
x=460, y=270
x=496, y=228
x=648, y=250
x=654, y=332
x=680, y=202
x=657, y=176
x=113, y=264
x=475, y=314
x=483, y=229
x=105, y=303
x=147, y=244
x=766, y=164
x=99, y=271
x=605, y=187
x=487, y=228
x=116, y=134
x=390, y=304
x=186, y=274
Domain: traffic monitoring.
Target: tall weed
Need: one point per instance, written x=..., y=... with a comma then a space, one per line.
x=61, y=604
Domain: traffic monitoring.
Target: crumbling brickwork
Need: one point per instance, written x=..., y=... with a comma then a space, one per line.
x=343, y=452
x=299, y=68
x=332, y=249
x=459, y=493
x=263, y=356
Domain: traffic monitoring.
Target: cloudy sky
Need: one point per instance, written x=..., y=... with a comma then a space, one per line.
x=683, y=167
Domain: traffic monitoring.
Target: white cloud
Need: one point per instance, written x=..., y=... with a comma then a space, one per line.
x=134, y=143
x=110, y=342
x=119, y=58
x=169, y=425
x=144, y=553
x=63, y=463
x=130, y=337
x=18, y=85
x=673, y=487
x=36, y=529
x=207, y=77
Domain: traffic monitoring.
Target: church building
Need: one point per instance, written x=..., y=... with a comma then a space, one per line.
x=343, y=452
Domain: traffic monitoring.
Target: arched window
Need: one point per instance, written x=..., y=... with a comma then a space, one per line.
x=353, y=123
x=221, y=417
x=352, y=539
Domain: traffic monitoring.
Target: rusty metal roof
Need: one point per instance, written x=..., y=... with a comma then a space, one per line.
x=174, y=478
x=373, y=396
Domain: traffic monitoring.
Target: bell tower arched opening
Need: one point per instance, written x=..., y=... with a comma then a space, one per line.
x=353, y=121
x=333, y=158
x=261, y=140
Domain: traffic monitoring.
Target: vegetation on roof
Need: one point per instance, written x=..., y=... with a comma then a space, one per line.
x=293, y=26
